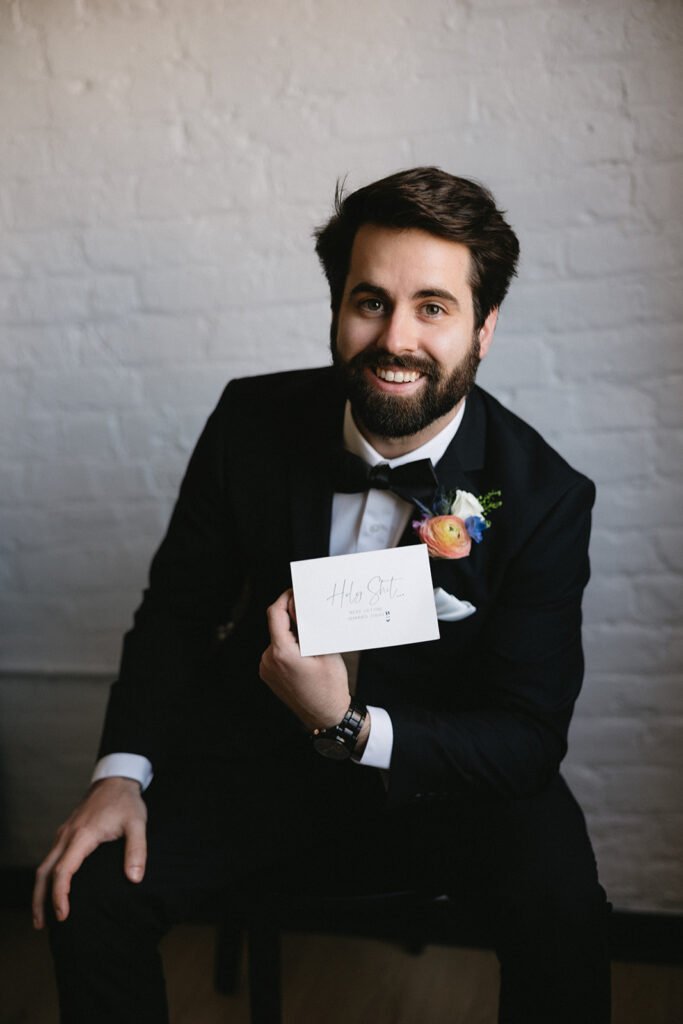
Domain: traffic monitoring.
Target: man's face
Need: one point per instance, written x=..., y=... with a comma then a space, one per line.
x=405, y=342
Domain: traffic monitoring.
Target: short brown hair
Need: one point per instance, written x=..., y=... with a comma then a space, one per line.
x=430, y=199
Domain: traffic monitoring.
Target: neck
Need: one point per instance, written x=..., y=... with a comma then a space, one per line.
x=393, y=447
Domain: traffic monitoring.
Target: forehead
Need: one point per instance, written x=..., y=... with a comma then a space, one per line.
x=410, y=258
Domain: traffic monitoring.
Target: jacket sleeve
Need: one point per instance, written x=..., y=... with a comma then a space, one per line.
x=527, y=675
x=195, y=579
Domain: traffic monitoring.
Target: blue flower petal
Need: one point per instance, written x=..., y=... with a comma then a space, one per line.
x=475, y=526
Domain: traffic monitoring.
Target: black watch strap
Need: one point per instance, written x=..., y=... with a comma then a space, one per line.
x=339, y=742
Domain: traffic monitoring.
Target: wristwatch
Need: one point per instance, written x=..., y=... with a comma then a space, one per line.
x=339, y=741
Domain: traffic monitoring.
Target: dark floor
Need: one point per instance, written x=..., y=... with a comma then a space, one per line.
x=388, y=986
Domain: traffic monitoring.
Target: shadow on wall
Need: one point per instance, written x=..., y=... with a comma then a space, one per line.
x=49, y=731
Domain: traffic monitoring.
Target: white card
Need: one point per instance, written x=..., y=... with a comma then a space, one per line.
x=370, y=599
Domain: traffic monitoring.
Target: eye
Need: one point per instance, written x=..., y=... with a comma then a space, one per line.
x=432, y=309
x=371, y=305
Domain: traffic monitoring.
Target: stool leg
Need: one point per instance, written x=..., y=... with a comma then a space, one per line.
x=265, y=987
x=227, y=957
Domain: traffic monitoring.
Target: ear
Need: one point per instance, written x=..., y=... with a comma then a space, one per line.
x=486, y=333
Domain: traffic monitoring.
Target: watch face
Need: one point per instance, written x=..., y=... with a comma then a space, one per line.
x=331, y=746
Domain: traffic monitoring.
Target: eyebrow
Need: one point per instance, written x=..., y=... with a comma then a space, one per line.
x=436, y=293
x=423, y=293
x=366, y=286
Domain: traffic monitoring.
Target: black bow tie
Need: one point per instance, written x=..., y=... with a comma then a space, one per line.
x=412, y=481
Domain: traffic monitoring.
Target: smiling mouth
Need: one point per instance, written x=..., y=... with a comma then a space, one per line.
x=397, y=376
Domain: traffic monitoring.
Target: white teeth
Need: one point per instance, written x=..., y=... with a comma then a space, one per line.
x=398, y=376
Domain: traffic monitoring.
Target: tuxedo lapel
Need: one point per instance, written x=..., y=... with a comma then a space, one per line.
x=459, y=466
x=311, y=511
x=459, y=469
x=462, y=467
x=311, y=460
x=465, y=453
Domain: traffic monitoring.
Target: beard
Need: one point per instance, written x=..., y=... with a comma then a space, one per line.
x=395, y=416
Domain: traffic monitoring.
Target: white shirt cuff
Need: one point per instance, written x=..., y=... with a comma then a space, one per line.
x=377, y=753
x=127, y=766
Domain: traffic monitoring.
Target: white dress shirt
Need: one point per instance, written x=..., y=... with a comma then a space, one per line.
x=366, y=521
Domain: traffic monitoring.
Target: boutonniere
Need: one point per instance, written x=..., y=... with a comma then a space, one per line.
x=456, y=519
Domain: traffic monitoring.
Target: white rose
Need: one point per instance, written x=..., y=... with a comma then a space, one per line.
x=466, y=505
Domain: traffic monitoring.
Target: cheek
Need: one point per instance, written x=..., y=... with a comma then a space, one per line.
x=353, y=336
x=450, y=348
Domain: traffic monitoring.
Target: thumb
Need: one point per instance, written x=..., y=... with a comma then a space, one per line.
x=279, y=621
x=135, y=857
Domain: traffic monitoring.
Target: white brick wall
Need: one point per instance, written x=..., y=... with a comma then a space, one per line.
x=161, y=168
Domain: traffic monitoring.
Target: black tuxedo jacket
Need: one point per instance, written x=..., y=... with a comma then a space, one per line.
x=484, y=710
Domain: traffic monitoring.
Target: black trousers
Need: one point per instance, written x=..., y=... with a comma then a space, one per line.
x=219, y=829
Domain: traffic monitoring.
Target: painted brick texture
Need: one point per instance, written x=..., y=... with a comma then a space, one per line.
x=162, y=167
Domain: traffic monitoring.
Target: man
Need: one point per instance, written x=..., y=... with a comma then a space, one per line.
x=449, y=775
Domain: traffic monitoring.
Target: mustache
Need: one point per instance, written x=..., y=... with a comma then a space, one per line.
x=385, y=361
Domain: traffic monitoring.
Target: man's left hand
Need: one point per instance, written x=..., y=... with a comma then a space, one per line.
x=316, y=689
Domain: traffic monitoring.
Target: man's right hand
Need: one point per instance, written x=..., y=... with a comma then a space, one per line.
x=112, y=808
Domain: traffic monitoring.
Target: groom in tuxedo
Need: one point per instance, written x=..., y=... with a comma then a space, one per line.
x=227, y=758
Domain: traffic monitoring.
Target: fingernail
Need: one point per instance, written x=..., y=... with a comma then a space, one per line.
x=135, y=874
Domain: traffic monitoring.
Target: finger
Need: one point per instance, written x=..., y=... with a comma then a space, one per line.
x=279, y=622
x=279, y=606
x=40, y=887
x=135, y=857
x=64, y=871
x=291, y=607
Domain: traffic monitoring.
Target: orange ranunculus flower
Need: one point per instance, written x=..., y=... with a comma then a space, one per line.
x=445, y=537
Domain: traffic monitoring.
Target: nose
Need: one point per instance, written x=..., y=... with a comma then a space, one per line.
x=399, y=333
